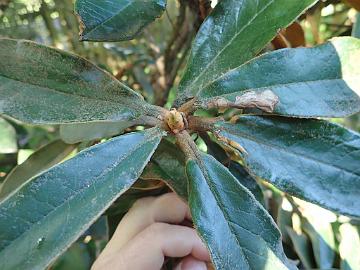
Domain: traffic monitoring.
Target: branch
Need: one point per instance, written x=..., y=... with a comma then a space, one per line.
x=187, y=145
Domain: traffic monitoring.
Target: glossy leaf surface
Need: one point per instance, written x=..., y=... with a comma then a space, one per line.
x=116, y=20
x=42, y=85
x=309, y=82
x=168, y=165
x=55, y=208
x=81, y=132
x=8, y=141
x=238, y=231
x=234, y=33
x=44, y=158
x=310, y=159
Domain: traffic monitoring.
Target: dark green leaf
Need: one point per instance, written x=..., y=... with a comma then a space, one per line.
x=234, y=32
x=116, y=20
x=284, y=218
x=42, y=85
x=41, y=160
x=247, y=181
x=76, y=257
x=80, y=132
x=349, y=247
x=168, y=165
x=142, y=188
x=99, y=230
x=309, y=82
x=8, y=142
x=238, y=231
x=214, y=149
x=302, y=247
x=40, y=220
x=310, y=159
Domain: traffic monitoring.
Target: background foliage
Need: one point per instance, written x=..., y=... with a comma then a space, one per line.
x=151, y=64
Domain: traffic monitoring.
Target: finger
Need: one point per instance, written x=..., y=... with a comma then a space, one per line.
x=168, y=208
x=191, y=263
x=148, y=249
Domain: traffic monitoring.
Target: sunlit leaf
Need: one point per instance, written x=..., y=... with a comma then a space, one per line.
x=308, y=82
x=8, y=141
x=234, y=33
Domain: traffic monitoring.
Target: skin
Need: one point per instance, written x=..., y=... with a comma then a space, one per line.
x=151, y=231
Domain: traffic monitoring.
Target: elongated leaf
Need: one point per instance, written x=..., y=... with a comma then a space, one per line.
x=41, y=160
x=168, y=165
x=234, y=32
x=42, y=85
x=247, y=181
x=323, y=242
x=236, y=169
x=309, y=82
x=238, y=231
x=310, y=159
x=142, y=188
x=116, y=20
x=76, y=257
x=80, y=132
x=349, y=247
x=8, y=141
x=40, y=220
x=302, y=247
x=284, y=219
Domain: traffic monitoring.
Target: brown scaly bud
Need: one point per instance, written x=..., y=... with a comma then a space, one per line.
x=176, y=121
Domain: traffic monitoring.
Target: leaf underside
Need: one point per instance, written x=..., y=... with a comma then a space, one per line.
x=82, y=132
x=41, y=160
x=168, y=165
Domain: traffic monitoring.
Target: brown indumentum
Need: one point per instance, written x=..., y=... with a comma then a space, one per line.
x=176, y=121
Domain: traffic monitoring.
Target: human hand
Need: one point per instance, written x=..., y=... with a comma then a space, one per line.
x=149, y=232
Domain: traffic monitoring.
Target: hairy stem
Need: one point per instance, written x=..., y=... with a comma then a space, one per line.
x=187, y=145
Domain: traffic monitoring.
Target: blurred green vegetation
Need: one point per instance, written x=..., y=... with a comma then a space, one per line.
x=152, y=64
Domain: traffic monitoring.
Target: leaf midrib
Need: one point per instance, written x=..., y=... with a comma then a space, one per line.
x=228, y=44
x=282, y=149
x=57, y=91
x=273, y=85
x=216, y=197
x=79, y=191
x=109, y=18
